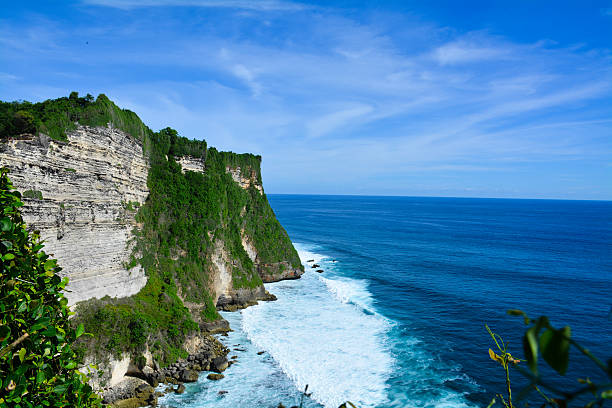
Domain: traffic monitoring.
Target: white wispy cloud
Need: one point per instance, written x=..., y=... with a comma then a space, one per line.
x=262, y=5
x=314, y=84
x=332, y=121
x=5, y=77
x=459, y=52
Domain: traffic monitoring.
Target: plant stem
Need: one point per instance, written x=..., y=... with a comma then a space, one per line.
x=13, y=344
x=508, y=384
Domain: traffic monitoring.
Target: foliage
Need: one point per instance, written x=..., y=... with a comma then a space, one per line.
x=37, y=361
x=553, y=345
x=36, y=194
x=55, y=117
x=185, y=217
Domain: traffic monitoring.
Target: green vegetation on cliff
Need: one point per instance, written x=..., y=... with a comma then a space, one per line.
x=187, y=218
x=56, y=117
x=37, y=361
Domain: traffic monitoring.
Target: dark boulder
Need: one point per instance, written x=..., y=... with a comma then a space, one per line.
x=189, y=375
x=219, y=364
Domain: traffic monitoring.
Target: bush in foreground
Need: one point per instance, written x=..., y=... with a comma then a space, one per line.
x=38, y=367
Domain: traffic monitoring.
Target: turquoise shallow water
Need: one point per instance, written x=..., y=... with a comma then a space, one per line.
x=397, y=320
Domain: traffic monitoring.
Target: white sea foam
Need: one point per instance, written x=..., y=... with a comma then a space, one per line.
x=323, y=340
x=323, y=331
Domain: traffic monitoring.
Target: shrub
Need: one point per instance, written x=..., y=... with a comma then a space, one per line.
x=542, y=341
x=38, y=366
x=36, y=194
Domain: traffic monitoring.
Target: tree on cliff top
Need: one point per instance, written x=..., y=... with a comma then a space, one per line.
x=38, y=367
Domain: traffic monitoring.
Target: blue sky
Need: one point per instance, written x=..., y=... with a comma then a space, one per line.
x=436, y=98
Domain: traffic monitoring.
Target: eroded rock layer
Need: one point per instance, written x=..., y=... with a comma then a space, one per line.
x=82, y=196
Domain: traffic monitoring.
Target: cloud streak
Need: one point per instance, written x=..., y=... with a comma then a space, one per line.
x=260, y=5
x=370, y=103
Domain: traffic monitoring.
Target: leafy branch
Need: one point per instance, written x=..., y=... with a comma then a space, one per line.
x=553, y=345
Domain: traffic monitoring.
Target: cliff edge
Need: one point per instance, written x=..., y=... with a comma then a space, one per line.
x=154, y=231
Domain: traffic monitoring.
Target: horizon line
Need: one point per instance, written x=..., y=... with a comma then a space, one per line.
x=433, y=196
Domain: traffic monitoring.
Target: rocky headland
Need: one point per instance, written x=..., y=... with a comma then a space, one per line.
x=155, y=233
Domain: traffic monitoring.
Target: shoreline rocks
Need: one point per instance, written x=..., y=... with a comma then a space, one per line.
x=138, y=389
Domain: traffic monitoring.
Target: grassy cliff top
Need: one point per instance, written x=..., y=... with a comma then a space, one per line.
x=184, y=220
x=57, y=117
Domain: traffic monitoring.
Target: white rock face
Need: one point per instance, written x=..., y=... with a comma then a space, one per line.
x=248, y=246
x=244, y=180
x=189, y=163
x=221, y=272
x=91, y=187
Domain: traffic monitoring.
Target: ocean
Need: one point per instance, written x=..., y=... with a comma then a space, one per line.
x=397, y=317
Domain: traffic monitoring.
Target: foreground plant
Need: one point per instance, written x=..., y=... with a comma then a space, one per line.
x=553, y=345
x=38, y=367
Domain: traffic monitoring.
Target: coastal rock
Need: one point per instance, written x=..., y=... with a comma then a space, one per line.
x=315, y=266
x=214, y=376
x=319, y=270
x=274, y=272
x=270, y=297
x=218, y=326
x=180, y=389
x=132, y=392
x=219, y=364
x=188, y=375
x=91, y=187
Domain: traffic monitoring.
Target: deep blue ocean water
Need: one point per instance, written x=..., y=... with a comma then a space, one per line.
x=397, y=318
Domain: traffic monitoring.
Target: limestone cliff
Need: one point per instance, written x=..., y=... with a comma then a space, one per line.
x=82, y=195
x=154, y=231
x=89, y=189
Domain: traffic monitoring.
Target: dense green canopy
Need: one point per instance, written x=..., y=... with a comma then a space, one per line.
x=38, y=366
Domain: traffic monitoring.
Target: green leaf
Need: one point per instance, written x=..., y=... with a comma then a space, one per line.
x=9, y=257
x=5, y=332
x=22, y=354
x=515, y=312
x=49, y=265
x=22, y=307
x=555, y=345
x=60, y=389
x=70, y=366
x=41, y=323
x=530, y=347
x=40, y=376
x=80, y=330
x=607, y=394
x=5, y=224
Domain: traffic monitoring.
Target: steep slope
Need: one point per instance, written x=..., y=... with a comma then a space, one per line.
x=154, y=231
x=81, y=195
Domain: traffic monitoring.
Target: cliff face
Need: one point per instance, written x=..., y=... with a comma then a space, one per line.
x=154, y=231
x=82, y=195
